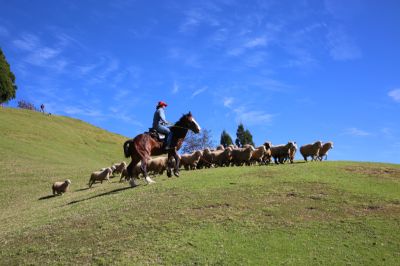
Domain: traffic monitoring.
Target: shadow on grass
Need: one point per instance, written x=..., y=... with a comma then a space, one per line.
x=100, y=195
x=82, y=189
x=48, y=197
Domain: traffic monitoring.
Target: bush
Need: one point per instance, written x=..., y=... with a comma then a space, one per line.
x=26, y=105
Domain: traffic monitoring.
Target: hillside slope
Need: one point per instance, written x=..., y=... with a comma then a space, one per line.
x=36, y=148
x=329, y=213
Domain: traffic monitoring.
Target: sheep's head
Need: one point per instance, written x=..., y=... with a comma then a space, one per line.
x=290, y=144
x=318, y=144
x=328, y=145
x=268, y=145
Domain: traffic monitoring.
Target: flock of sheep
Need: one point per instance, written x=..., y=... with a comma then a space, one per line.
x=248, y=155
x=219, y=157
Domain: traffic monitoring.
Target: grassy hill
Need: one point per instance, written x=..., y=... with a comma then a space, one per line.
x=304, y=213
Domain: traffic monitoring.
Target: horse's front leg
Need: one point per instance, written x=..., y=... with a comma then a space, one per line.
x=177, y=160
x=143, y=167
x=169, y=162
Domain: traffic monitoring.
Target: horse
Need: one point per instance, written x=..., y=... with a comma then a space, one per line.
x=143, y=146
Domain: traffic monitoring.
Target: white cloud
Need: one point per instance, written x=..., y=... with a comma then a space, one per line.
x=228, y=101
x=28, y=42
x=41, y=55
x=175, y=88
x=252, y=117
x=356, y=132
x=341, y=46
x=197, y=92
x=395, y=95
x=255, y=42
x=196, y=17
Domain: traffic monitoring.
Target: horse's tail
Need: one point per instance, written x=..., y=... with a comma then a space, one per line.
x=128, y=146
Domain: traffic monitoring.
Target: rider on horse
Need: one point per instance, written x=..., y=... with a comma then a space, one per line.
x=160, y=123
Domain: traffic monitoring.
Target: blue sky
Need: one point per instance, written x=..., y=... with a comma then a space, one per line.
x=288, y=70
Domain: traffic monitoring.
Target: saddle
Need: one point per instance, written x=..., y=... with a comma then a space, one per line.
x=156, y=135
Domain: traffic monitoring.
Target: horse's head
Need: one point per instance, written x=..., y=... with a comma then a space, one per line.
x=189, y=122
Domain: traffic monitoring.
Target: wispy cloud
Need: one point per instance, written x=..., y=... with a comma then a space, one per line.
x=356, y=132
x=175, y=88
x=247, y=114
x=395, y=95
x=196, y=17
x=252, y=117
x=27, y=42
x=341, y=46
x=256, y=42
x=250, y=43
x=228, y=101
x=197, y=92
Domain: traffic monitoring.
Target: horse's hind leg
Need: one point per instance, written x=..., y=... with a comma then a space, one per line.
x=143, y=167
x=130, y=170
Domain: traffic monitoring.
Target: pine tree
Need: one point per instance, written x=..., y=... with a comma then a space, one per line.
x=226, y=139
x=240, y=135
x=243, y=136
x=7, y=80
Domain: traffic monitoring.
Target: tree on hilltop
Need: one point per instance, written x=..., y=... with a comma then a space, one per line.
x=243, y=136
x=226, y=139
x=7, y=80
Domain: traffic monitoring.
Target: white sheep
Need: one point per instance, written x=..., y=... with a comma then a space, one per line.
x=100, y=176
x=61, y=187
x=311, y=150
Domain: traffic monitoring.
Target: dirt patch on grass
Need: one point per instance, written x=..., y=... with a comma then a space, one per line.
x=380, y=172
x=213, y=206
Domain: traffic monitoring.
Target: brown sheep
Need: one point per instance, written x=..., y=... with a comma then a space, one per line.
x=135, y=174
x=100, y=176
x=206, y=159
x=118, y=167
x=280, y=152
x=189, y=161
x=221, y=157
x=324, y=150
x=292, y=153
x=311, y=150
x=158, y=165
x=267, y=155
x=258, y=155
x=242, y=156
x=61, y=187
x=220, y=148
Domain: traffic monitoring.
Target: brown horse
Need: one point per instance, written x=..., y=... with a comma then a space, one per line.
x=143, y=146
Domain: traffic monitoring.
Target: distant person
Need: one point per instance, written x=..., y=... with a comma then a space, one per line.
x=42, y=108
x=160, y=123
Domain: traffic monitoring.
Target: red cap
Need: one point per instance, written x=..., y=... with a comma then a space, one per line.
x=161, y=104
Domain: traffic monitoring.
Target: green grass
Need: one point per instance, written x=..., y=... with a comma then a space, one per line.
x=330, y=213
